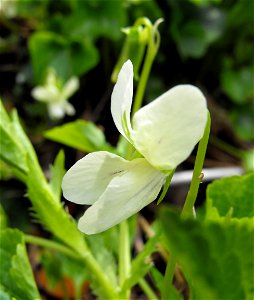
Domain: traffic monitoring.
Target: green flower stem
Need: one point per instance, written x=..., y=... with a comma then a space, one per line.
x=196, y=177
x=124, y=254
x=49, y=244
x=152, y=48
x=86, y=257
x=167, y=288
x=188, y=205
x=147, y=289
x=153, y=45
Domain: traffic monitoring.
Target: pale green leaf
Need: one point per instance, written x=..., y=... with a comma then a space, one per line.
x=57, y=173
x=11, y=148
x=234, y=193
x=15, y=272
x=82, y=135
x=22, y=137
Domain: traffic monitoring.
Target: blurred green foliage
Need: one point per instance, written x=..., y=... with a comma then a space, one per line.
x=209, y=42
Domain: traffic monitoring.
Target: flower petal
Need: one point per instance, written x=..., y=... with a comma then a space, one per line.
x=45, y=94
x=56, y=110
x=85, y=181
x=121, y=99
x=69, y=109
x=70, y=87
x=40, y=93
x=125, y=195
x=166, y=130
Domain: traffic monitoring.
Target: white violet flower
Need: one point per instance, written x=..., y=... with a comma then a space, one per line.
x=164, y=132
x=55, y=94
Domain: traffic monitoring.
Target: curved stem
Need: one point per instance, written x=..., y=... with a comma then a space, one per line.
x=188, y=205
x=151, y=53
x=196, y=178
x=49, y=244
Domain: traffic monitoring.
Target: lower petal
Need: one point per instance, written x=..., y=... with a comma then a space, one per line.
x=125, y=195
x=85, y=181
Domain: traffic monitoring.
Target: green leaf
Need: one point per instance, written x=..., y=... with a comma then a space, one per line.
x=238, y=84
x=16, y=275
x=67, y=57
x=22, y=137
x=102, y=18
x=215, y=257
x=157, y=278
x=3, y=294
x=235, y=193
x=59, y=267
x=50, y=212
x=57, y=173
x=81, y=135
x=52, y=267
x=242, y=121
x=193, y=32
x=15, y=146
x=3, y=219
x=141, y=264
x=103, y=255
x=11, y=148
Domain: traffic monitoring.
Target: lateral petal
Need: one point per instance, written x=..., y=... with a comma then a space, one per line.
x=166, y=130
x=125, y=195
x=70, y=87
x=121, y=99
x=88, y=178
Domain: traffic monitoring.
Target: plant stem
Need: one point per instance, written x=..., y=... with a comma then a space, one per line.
x=87, y=258
x=49, y=244
x=150, y=55
x=188, y=205
x=196, y=179
x=147, y=289
x=124, y=254
x=168, y=279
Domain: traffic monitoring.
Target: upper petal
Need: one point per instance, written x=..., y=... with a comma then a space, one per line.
x=166, y=130
x=125, y=195
x=121, y=99
x=88, y=178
